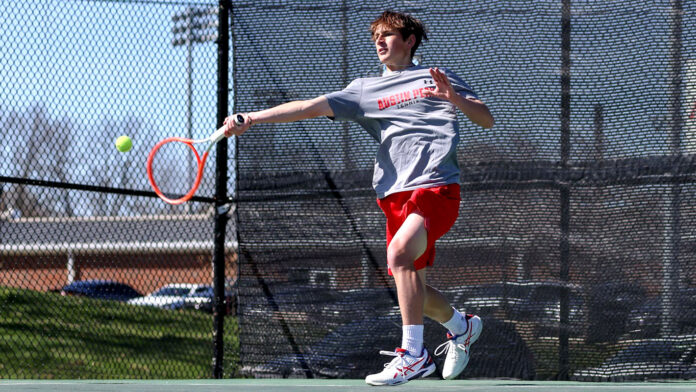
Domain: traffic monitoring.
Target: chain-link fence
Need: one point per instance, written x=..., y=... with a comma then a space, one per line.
x=98, y=278
x=574, y=241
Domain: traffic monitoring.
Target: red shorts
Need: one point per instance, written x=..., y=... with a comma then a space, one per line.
x=439, y=206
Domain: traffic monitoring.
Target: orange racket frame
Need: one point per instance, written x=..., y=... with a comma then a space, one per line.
x=200, y=159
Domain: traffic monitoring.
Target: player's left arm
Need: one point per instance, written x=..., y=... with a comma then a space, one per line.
x=474, y=109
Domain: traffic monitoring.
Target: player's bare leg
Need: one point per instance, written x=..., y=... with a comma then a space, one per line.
x=436, y=305
x=412, y=360
x=416, y=298
x=408, y=244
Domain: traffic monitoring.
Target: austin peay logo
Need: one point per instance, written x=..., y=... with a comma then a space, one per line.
x=403, y=98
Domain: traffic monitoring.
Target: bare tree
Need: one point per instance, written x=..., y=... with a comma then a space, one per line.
x=38, y=146
x=109, y=168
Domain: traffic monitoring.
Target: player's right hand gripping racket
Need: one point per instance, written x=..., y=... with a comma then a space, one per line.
x=211, y=140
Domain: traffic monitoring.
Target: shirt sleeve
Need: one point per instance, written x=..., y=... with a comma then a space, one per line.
x=460, y=86
x=346, y=103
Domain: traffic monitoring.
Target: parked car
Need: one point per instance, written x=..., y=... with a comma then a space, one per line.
x=203, y=301
x=609, y=307
x=541, y=306
x=349, y=305
x=536, y=302
x=645, y=321
x=352, y=351
x=488, y=299
x=299, y=302
x=646, y=360
x=171, y=296
x=101, y=289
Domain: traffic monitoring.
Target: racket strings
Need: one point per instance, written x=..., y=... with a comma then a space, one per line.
x=175, y=169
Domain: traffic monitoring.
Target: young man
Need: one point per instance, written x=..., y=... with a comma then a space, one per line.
x=411, y=111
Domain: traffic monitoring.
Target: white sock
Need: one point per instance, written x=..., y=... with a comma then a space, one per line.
x=457, y=324
x=412, y=339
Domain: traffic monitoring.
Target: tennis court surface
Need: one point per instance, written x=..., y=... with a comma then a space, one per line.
x=297, y=385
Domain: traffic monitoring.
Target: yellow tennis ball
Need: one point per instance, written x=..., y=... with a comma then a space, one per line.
x=124, y=143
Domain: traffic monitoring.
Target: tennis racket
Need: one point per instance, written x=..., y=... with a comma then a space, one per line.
x=210, y=140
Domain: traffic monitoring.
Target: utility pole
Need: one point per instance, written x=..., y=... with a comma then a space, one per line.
x=192, y=26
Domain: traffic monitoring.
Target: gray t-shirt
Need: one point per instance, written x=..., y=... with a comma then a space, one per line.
x=417, y=136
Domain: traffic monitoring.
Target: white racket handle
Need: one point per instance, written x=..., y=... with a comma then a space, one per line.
x=220, y=133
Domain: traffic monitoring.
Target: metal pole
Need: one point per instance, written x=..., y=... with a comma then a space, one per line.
x=672, y=235
x=195, y=29
x=598, y=157
x=599, y=132
x=563, y=331
x=222, y=205
x=347, y=163
x=189, y=94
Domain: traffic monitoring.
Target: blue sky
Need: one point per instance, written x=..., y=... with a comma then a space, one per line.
x=90, y=61
x=94, y=63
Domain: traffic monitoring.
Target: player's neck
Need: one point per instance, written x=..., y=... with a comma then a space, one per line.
x=399, y=67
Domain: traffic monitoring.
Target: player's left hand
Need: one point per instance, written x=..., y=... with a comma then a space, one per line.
x=443, y=87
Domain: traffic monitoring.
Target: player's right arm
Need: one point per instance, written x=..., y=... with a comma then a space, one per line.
x=287, y=112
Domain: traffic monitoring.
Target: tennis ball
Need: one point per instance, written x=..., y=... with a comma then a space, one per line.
x=124, y=143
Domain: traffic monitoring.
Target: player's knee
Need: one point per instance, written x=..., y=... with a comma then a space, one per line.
x=398, y=256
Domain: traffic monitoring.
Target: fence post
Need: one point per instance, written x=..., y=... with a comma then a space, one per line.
x=672, y=224
x=222, y=205
x=563, y=332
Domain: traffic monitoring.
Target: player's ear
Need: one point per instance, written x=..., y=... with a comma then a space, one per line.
x=411, y=40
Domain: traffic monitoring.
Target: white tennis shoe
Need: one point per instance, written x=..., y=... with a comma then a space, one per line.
x=403, y=368
x=457, y=348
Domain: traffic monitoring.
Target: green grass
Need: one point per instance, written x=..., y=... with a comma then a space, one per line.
x=48, y=336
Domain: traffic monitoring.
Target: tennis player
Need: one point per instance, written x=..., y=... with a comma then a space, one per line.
x=411, y=111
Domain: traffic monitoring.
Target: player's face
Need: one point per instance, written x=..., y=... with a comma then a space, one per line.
x=392, y=49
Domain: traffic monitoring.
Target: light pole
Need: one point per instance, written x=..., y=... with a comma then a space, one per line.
x=191, y=26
